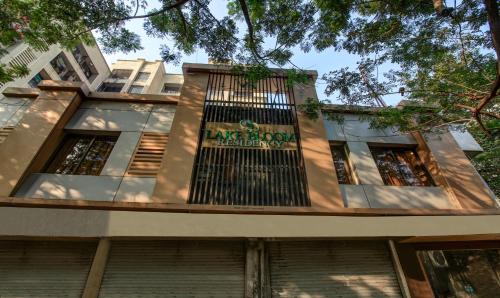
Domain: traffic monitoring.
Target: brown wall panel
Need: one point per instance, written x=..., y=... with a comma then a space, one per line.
x=173, y=180
x=324, y=188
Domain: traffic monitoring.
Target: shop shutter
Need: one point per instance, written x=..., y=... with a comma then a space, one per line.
x=332, y=269
x=44, y=269
x=174, y=269
x=148, y=155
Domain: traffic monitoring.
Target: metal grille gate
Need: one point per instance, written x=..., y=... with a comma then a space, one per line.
x=249, y=176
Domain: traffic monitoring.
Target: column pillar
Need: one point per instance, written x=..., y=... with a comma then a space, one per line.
x=96, y=273
x=323, y=185
x=174, y=177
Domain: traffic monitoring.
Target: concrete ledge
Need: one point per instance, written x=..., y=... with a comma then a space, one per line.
x=100, y=204
x=204, y=68
x=43, y=222
x=140, y=98
x=51, y=85
x=21, y=92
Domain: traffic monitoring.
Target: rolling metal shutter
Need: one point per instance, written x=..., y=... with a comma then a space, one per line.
x=332, y=269
x=44, y=269
x=174, y=269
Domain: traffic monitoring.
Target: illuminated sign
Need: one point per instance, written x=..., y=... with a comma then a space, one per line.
x=248, y=134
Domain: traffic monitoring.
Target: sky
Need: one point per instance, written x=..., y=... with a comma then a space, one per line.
x=322, y=62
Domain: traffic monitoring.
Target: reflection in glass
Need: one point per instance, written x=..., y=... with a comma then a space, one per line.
x=463, y=273
x=401, y=167
x=341, y=164
x=82, y=155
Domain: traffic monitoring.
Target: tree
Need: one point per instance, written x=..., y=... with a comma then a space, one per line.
x=445, y=57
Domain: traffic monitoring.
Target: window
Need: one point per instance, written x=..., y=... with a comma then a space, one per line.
x=344, y=173
x=121, y=74
x=401, y=167
x=110, y=87
x=135, y=89
x=42, y=75
x=82, y=155
x=142, y=76
x=462, y=273
x=81, y=56
x=171, y=88
x=64, y=69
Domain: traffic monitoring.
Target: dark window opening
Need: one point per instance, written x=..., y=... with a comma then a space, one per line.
x=169, y=88
x=344, y=173
x=64, y=69
x=110, y=87
x=82, y=155
x=142, y=76
x=136, y=89
x=42, y=75
x=86, y=64
x=122, y=74
x=463, y=273
x=401, y=167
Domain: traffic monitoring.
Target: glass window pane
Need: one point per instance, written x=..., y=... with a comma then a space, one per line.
x=400, y=167
x=463, y=273
x=136, y=89
x=69, y=156
x=341, y=164
x=82, y=155
x=143, y=76
x=96, y=156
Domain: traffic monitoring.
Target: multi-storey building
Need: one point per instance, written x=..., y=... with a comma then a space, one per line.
x=225, y=189
x=84, y=64
x=141, y=77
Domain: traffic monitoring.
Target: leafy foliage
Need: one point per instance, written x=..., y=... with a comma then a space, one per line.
x=487, y=162
x=445, y=53
x=443, y=58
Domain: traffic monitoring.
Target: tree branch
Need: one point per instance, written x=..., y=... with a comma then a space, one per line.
x=472, y=109
x=246, y=14
x=177, y=4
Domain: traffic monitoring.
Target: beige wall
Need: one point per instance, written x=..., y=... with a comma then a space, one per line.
x=43, y=222
x=152, y=85
x=42, y=123
x=324, y=189
x=174, y=178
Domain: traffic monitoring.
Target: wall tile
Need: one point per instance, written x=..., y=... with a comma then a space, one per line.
x=135, y=189
x=82, y=187
x=407, y=197
x=159, y=122
x=110, y=120
x=122, y=152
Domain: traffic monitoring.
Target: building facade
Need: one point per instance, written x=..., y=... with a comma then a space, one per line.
x=83, y=64
x=208, y=184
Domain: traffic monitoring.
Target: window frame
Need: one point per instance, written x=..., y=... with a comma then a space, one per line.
x=60, y=155
x=105, y=85
x=353, y=179
x=417, y=165
x=135, y=86
x=172, y=85
x=139, y=77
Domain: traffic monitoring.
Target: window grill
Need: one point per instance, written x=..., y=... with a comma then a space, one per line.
x=255, y=176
